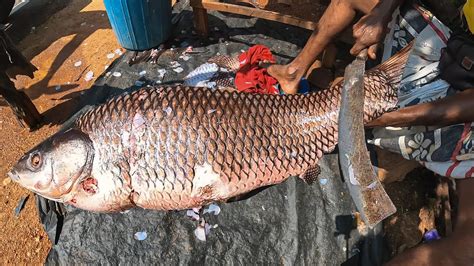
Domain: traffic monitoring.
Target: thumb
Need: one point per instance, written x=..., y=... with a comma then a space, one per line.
x=372, y=52
x=355, y=50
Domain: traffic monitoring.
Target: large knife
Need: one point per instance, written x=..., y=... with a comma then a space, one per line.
x=367, y=192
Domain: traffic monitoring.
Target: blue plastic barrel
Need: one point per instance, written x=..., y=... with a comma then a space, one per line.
x=140, y=24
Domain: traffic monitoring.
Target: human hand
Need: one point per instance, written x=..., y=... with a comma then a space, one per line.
x=368, y=32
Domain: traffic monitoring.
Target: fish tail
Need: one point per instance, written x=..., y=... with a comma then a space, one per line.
x=394, y=67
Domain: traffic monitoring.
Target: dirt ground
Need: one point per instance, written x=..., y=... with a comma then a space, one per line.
x=81, y=32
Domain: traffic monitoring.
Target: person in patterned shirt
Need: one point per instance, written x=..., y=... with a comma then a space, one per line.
x=451, y=109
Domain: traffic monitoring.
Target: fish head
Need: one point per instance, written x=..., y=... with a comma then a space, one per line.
x=53, y=168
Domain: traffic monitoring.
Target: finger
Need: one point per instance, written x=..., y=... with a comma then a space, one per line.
x=360, y=40
x=372, y=51
x=360, y=23
x=357, y=31
x=358, y=46
x=355, y=28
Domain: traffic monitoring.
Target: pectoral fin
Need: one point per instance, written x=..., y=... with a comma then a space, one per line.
x=311, y=174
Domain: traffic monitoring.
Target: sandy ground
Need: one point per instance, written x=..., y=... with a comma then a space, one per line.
x=53, y=47
x=81, y=32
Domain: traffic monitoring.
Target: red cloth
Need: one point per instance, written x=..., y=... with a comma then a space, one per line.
x=250, y=77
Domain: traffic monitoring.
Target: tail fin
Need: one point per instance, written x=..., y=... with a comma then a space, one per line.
x=395, y=65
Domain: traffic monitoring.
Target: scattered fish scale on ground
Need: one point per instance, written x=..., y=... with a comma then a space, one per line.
x=226, y=61
x=201, y=76
x=218, y=71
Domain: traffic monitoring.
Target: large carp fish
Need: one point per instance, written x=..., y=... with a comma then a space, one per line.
x=170, y=148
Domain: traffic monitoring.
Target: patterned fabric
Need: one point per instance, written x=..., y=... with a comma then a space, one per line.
x=448, y=151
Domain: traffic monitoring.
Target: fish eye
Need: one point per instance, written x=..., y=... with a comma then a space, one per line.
x=35, y=160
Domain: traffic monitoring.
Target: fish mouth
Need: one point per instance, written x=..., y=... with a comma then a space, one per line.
x=13, y=176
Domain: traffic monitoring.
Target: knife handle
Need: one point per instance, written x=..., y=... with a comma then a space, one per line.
x=362, y=55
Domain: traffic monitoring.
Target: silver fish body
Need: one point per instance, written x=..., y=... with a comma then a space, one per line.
x=172, y=148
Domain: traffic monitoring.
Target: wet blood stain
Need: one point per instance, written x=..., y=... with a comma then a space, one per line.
x=90, y=185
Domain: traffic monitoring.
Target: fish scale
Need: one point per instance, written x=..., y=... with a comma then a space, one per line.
x=211, y=145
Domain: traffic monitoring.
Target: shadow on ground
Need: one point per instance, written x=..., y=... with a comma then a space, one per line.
x=74, y=28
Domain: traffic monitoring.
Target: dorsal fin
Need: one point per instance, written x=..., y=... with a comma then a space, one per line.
x=394, y=67
x=311, y=174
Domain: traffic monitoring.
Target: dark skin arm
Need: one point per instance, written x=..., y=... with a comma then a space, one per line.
x=457, y=248
x=458, y=108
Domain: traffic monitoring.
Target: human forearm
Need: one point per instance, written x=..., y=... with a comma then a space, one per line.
x=453, y=109
x=385, y=9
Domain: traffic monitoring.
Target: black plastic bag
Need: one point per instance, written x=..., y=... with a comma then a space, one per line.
x=457, y=61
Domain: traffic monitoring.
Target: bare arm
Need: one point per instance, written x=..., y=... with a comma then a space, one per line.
x=453, y=109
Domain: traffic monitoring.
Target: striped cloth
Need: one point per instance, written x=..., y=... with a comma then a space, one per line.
x=448, y=151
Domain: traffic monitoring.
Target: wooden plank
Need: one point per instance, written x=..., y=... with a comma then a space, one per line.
x=258, y=13
x=13, y=63
x=201, y=21
x=256, y=3
x=24, y=110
